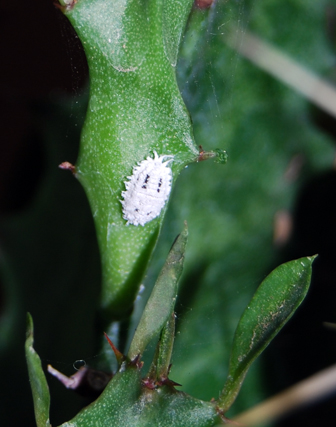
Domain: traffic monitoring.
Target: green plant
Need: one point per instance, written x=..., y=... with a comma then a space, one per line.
x=135, y=109
x=131, y=399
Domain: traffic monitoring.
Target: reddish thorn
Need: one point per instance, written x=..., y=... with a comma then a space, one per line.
x=119, y=356
x=69, y=4
x=59, y=6
x=201, y=154
x=205, y=155
x=68, y=166
x=203, y=4
x=167, y=381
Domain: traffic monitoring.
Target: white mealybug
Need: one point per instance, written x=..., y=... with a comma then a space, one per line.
x=147, y=190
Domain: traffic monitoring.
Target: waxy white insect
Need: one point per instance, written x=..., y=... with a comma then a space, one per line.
x=147, y=190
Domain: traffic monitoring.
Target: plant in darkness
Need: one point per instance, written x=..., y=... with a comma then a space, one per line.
x=136, y=140
x=170, y=340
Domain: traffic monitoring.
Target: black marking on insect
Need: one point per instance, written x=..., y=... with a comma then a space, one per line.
x=147, y=190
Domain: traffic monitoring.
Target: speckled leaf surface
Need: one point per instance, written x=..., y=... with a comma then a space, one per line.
x=274, y=303
x=125, y=402
x=135, y=108
x=230, y=210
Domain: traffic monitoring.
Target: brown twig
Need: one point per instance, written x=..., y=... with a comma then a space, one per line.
x=285, y=69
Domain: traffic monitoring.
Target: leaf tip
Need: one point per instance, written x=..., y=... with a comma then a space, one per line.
x=185, y=230
x=29, y=326
x=312, y=258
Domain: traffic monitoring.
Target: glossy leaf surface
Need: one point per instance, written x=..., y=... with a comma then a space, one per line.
x=230, y=211
x=271, y=307
x=135, y=108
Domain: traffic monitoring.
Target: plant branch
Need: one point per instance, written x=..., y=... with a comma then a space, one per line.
x=285, y=69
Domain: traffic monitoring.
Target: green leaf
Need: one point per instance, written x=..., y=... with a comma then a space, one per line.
x=135, y=108
x=115, y=405
x=162, y=300
x=125, y=402
x=37, y=378
x=274, y=303
x=165, y=350
x=175, y=14
x=230, y=210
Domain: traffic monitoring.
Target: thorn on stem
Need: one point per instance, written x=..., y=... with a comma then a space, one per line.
x=68, y=166
x=168, y=382
x=218, y=154
x=65, y=5
x=119, y=356
x=203, y=4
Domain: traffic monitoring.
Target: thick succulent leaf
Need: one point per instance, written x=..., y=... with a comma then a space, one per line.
x=37, y=379
x=161, y=303
x=230, y=211
x=115, y=405
x=274, y=303
x=125, y=402
x=135, y=108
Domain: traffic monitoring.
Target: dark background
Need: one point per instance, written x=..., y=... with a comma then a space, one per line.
x=41, y=64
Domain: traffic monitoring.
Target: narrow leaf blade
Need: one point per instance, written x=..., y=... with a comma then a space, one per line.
x=166, y=348
x=162, y=300
x=275, y=301
x=37, y=379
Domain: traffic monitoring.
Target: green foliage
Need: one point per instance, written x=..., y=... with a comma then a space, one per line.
x=161, y=303
x=130, y=400
x=274, y=303
x=230, y=210
x=38, y=382
x=161, y=363
x=135, y=108
x=264, y=126
x=125, y=402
